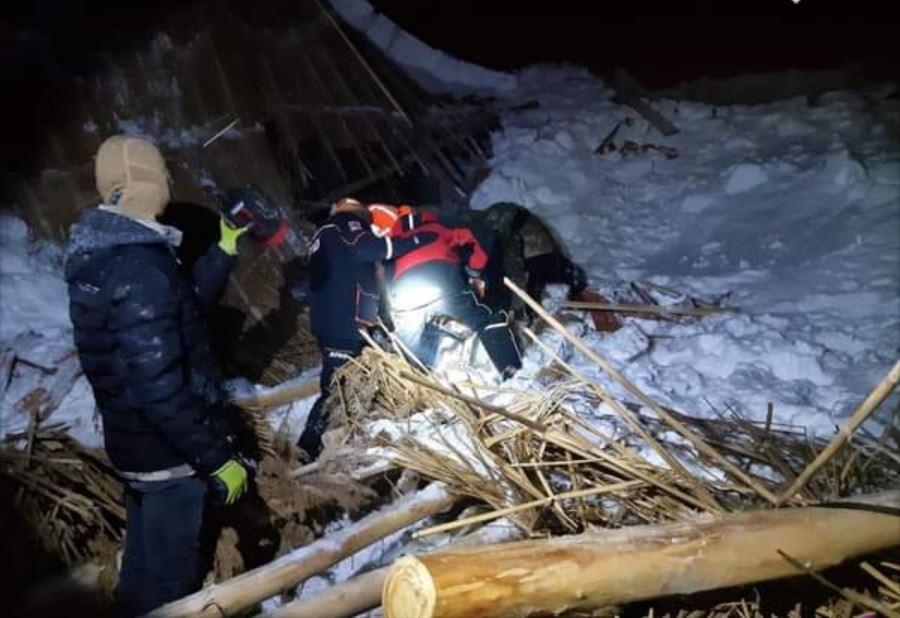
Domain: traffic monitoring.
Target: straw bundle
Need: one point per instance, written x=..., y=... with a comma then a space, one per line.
x=537, y=460
x=66, y=492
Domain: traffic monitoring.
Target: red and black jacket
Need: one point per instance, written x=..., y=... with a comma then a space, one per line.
x=455, y=247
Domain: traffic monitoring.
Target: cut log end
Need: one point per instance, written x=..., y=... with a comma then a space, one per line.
x=409, y=590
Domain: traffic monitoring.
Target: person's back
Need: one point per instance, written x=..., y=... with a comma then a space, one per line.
x=134, y=315
x=343, y=292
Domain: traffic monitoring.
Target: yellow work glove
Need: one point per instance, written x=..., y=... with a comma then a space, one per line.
x=234, y=478
x=228, y=236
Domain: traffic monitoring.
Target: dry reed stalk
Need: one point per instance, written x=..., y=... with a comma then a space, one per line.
x=483, y=517
x=628, y=417
x=679, y=427
x=851, y=595
x=871, y=403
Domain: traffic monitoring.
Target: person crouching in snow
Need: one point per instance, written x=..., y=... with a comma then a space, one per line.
x=343, y=296
x=445, y=279
x=141, y=338
x=527, y=252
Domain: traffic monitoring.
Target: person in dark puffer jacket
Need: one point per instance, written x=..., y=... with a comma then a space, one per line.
x=139, y=328
x=344, y=296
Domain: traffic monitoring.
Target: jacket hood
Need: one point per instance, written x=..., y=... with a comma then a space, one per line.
x=98, y=230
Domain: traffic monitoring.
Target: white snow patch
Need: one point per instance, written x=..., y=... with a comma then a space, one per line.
x=744, y=177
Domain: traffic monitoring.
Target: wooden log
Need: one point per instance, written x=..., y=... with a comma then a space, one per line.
x=345, y=599
x=364, y=592
x=246, y=590
x=879, y=394
x=599, y=569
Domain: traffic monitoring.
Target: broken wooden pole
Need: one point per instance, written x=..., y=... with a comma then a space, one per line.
x=598, y=569
x=361, y=593
x=348, y=598
x=628, y=92
x=246, y=590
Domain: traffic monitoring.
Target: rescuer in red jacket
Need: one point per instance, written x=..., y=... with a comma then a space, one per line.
x=437, y=280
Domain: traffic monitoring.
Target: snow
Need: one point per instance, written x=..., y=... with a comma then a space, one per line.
x=789, y=209
x=34, y=323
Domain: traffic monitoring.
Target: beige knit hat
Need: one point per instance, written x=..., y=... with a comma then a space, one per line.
x=131, y=175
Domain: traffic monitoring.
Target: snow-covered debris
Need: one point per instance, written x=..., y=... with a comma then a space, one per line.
x=35, y=329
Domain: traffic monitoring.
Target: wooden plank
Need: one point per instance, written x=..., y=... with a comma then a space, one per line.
x=628, y=93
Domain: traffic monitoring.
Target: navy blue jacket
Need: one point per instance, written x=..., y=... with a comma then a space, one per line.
x=343, y=287
x=143, y=344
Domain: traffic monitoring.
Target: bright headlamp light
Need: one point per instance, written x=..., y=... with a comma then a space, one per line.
x=414, y=294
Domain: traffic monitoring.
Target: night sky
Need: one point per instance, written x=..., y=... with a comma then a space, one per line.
x=664, y=42
x=43, y=43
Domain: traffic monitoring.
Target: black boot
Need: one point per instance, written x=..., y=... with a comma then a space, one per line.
x=316, y=424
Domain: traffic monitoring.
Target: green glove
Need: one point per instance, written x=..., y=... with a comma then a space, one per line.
x=228, y=236
x=234, y=477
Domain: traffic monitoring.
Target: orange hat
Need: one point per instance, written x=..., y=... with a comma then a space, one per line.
x=384, y=216
x=348, y=204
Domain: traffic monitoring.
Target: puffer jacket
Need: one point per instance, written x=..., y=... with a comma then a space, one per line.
x=143, y=344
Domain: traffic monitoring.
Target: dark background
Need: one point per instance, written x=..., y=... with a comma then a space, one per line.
x=662, y=42
x=45, y=44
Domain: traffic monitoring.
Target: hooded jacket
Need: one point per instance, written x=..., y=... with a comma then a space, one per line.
x=143, y=344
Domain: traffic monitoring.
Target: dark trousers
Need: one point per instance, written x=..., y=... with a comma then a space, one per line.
x=492, y=328
x=165, y=545
x=333, y=358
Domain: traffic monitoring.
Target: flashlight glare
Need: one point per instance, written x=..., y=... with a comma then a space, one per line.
x=414, y=295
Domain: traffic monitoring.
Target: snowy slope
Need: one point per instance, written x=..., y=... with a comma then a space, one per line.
x=792, y=210
x=34, y=323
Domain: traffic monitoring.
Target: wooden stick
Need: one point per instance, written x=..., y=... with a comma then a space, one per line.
x=674, y=423
x=851, y=595
x=887, y=583
x=481, y=517
x=707, y=500
x=246, y=590
x=361, y=593
x=284, y=393
x=879, y=394
x=656, y=309
x=593, y=570
x=348, y=598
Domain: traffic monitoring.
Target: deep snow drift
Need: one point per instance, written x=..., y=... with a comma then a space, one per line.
x=791, y=210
